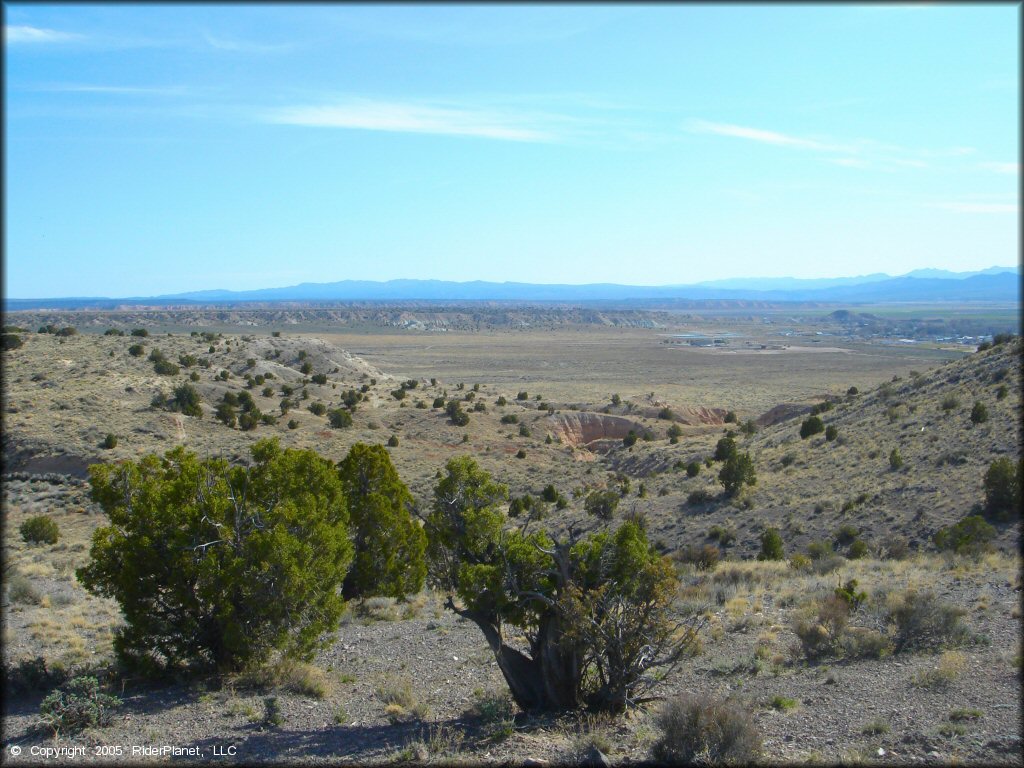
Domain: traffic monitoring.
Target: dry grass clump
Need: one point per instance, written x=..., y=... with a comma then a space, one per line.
x=923, y=621
x=705, y=731
x=289, y=675
x=950, y=666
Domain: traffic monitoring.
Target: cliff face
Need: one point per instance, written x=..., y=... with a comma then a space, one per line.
x=581, y=428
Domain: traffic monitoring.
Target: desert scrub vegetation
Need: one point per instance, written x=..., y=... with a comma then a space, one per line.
x=41, y=529
x=76, y=705
x=699, y=731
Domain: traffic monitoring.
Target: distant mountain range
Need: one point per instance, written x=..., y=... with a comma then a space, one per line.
x=996, y=284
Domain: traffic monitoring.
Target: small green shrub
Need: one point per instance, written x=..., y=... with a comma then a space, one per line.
x=831, y=432
x=895, y=459
x=812, y=425
x=393, y=441
x=979, y=413
x=41, y=529
x=699, y=496
x=78, y=705
x=950, y=402
x=771, y=545
x=706, y=731
x=693, y=469
x=972, y=535
x=339, y=418
x=509, y=418
x=1003, y=488
x=110, y=441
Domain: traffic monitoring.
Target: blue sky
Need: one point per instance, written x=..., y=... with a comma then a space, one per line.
x=156, y=149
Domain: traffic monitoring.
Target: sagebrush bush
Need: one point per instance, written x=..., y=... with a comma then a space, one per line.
x=922, y=620
x=77, y=705
x=698, y=730
x=812, y=425
x=41, y=529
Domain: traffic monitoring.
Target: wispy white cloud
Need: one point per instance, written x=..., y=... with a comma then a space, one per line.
x=959, y=207
x=1007, y=168
x=408, y=117
x=21, y=33
x=244, y=46
x=854, y=153
x=761, y=135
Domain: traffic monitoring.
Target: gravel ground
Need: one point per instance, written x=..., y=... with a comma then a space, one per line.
x=445, y=664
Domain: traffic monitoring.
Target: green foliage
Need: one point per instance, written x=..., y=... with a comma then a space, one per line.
x=858, y=549
x=731, y=418
x=165, y=368
x=339, y=418
x=458, y=416
x=389, y=544
x=725, y=448
x=616, y=400
x=509, y=418
x=594, y=610
x=398, y=394
x=77, y=705
x=12, y=341
x=602, y=504
x=848, y=594
x=950, y=403
x=226, y=414
x=136, y=350
x=393, y=441
x=831, y=432
x=979, y=413
x=812, y=425
x=845, y=534
x=737, y=471
x=110, y=441
x=523, y=396
x=317, y=408
x=217, y=566
x=674, y=432
x=186, y=400
x=630, y=439
x=693, y=469
x=972, y=535
x=895, y=459
x=438, y=402
x=40, y=529
x=666, y=414
x=771, y=545
x=699, y=496
x=142, y=332
x=748, y=428
x=1003, y=484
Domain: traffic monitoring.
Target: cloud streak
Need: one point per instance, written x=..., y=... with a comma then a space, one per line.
x=402, y=117
x=958, y=207
x=1007, y=168
x=762, y=136
x=22, y=33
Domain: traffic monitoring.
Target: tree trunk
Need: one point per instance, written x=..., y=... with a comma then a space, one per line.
x=547, y=681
